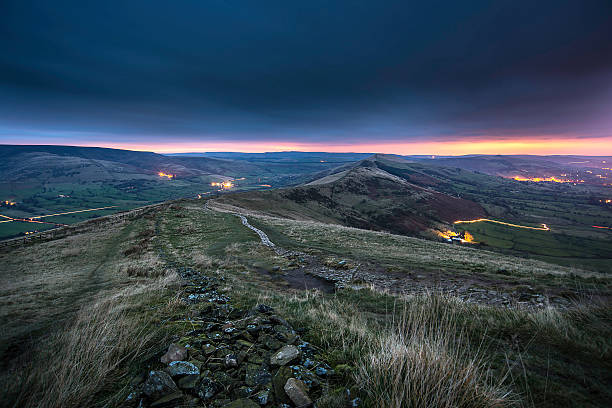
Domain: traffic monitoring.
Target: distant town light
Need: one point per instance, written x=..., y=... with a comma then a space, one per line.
x=546, y=179
x=225, y=185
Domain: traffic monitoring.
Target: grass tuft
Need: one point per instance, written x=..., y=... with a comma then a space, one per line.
x=424, y=362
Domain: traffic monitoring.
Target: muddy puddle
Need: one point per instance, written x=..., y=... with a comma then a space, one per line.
x=299, y=279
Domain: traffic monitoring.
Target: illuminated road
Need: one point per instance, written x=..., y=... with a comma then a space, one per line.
x=73, y=212
x=10, y=219
x=544, y=227
x=36, y=219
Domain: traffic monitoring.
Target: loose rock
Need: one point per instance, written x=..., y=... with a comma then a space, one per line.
x=158, y=385
x=296, y=390
x=285, y=355
x=174, y=353
x=177, y=368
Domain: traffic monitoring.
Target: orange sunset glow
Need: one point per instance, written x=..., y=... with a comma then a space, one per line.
x=544, y=146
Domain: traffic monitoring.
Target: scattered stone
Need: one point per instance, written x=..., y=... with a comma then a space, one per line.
x=231, y=360
x=178, y=368
x=285, y=355
x=228, y=356
x=243, y=392
x=244, y=343
x=208, y=349
x=175, y=353
x=296, y=390
x=223, y=378
x=271, y=343
x=158, y=385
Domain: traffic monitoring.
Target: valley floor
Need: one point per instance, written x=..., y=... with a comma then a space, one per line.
x=392, y=321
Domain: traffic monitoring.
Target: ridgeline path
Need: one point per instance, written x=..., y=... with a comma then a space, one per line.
x=346, y=274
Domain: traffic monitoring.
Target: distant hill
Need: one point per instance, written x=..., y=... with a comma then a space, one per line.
x=280, y=156
x=584, y=168
x=363, y=195
x=38, y=163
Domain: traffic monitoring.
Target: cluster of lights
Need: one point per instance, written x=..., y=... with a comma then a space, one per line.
x=541, y=179
x=166, y=175
x=222, y=185
x=7, y=202
x=449, y=235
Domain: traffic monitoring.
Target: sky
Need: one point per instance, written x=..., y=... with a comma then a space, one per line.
x=427, y=77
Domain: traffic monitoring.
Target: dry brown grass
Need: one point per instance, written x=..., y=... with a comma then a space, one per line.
x=74, y=251
x=75, y=312
x=424, y=363
x=201, y=260
x=418, y=359
x=77, y=362
x=147, y=265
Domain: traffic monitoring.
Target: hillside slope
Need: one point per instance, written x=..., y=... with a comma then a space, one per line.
x=364, y=195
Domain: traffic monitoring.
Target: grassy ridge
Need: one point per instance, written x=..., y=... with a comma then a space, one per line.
x=391, y=351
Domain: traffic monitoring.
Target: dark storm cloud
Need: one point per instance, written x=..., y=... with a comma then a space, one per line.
x=305, y=70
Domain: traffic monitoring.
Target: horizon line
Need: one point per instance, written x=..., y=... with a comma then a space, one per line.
x=136, y=149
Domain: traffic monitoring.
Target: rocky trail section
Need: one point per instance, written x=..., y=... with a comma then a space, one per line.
x=343, y=274
x=262, y=235
x=231, y=358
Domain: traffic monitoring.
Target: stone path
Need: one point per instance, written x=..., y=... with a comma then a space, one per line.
x=231, y=358
x=262, y=235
